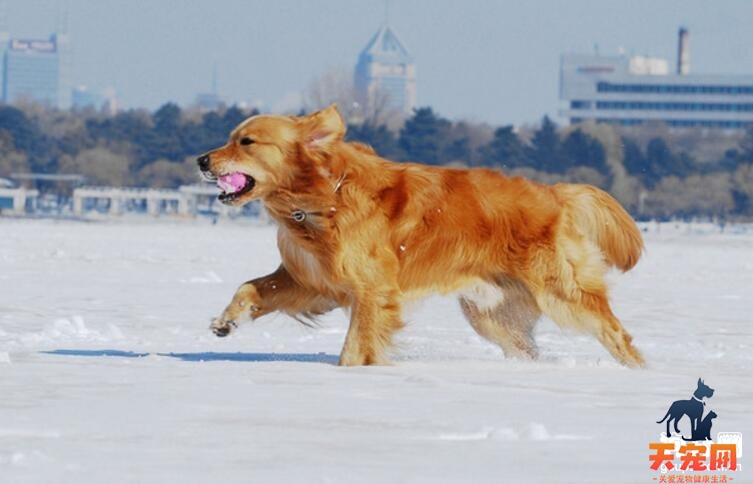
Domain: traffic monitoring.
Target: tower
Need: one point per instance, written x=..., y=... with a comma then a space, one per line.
x=683, y=52
x=210, y=101
x=4, y=41
x=62, y=41
x=385, y=75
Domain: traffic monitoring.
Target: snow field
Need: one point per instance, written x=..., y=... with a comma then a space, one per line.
x=450, y=408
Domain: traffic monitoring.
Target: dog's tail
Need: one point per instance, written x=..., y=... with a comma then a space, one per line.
x=665, y=418
x=601, y=218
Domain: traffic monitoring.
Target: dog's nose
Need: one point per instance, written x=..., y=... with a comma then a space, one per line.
x=203, y=162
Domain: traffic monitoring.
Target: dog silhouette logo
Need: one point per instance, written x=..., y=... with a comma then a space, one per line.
x=693, y=408
x=683, y=453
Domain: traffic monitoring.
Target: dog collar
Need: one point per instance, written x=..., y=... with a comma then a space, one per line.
x=696, y=399
x=300, y=216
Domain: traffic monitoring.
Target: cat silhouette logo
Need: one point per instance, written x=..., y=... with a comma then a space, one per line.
x=694, y=451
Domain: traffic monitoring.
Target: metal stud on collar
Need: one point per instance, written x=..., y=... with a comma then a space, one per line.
x=298, y=215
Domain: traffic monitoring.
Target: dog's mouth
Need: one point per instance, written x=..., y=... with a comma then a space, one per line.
x=233, y=185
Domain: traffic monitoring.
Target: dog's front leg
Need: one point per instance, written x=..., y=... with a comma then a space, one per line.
x=277, y=291
x=374, y=319
x=244, y=307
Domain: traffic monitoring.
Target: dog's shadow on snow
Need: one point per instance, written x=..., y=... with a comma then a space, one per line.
x=256, y=357
x=206, y=356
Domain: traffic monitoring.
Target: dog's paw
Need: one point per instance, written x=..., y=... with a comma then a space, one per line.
x=222, y=328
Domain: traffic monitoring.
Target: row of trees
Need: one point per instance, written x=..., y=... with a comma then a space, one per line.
x=428, y=138
x=131, y=148
x=653, y=171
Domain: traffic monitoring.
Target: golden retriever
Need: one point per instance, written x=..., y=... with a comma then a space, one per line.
x=364, y=233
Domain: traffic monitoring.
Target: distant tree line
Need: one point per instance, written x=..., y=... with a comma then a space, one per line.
x=131, y=148
x=654, y=171
x=431, y=139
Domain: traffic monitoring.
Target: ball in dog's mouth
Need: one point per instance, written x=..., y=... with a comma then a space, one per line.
x=233, y=185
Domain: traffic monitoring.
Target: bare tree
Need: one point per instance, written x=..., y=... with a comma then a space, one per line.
x=336, y=86
x=100, y=166
x=11, y=160
x=697, y=196
x=168, y=174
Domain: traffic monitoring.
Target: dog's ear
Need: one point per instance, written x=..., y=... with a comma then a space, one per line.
x=700, y=382
x=322, y=129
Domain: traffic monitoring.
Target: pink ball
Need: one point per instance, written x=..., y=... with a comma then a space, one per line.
x=232, y=182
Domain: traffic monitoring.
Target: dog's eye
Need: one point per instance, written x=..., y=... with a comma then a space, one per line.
x=245, y=141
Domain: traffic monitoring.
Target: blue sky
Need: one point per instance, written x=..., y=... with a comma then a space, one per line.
x=481, y=60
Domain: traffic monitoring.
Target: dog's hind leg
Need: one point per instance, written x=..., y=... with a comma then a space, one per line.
x=590, y=311
x=505, y=313
x=573, y=294
x=274, y=292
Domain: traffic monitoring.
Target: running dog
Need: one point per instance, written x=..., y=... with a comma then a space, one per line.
x=364, y=233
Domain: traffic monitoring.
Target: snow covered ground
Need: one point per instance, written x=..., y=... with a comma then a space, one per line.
x=450, y=409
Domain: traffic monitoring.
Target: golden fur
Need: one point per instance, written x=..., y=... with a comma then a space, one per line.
x=365, y=233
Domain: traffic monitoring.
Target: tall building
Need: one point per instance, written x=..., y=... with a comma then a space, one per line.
x=210, y=101
x=633, y=90
x=385, y=75
x=36, y=69
x=85, y=98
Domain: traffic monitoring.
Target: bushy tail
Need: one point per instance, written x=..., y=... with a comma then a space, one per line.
x=602, y=219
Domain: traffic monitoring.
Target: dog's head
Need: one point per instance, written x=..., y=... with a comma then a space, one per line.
x=267, y=152
x=704, y=390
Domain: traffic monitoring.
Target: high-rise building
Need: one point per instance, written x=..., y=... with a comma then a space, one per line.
x=633, y=90
x=210, y=101
x=385, y=76
x=35, y=69
x=85, y=98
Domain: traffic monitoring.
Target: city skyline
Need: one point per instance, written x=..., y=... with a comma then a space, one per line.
x=489, y=61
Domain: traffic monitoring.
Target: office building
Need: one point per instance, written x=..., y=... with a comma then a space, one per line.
x=35, y=70
x=385, y=75
x=634, y=90
x=85, y=98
